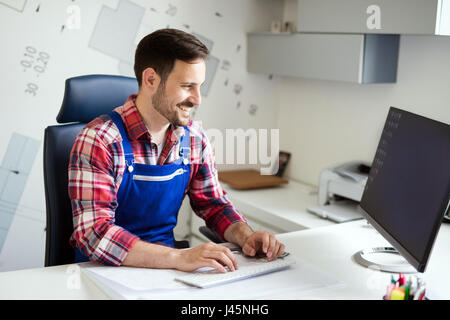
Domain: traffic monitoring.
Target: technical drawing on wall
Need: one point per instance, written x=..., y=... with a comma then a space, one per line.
x=124, y=23
x=212, y=63
x=122, y=47
x=18, y=5
x=14, y=172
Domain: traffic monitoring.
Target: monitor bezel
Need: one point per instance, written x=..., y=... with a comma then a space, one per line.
x=420, y=266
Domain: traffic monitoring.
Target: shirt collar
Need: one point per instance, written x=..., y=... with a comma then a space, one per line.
x=135, y=124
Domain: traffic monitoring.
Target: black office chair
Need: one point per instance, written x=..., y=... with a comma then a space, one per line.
x=210, y=234
x=85, y=98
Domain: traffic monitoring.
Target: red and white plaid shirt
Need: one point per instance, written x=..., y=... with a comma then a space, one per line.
x=96, y=169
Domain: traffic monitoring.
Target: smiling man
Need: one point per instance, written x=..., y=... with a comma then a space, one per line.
x=130, y=170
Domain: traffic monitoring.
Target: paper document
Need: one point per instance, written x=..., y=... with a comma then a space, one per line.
x=140, y=283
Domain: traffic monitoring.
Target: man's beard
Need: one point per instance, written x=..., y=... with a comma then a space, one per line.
x=162, y=105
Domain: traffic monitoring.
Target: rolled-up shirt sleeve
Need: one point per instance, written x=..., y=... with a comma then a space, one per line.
x=207, y=197
x=92, y=191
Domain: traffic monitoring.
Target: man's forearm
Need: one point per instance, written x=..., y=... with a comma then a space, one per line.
x=148, y=255
x=238, y=233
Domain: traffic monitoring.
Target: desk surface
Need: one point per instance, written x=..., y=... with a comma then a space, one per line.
x=329, y=248
x=283, y=206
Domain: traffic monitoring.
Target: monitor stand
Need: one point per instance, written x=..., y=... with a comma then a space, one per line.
x=383, y=259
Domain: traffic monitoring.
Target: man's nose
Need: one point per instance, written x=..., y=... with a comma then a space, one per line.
x=196, y=97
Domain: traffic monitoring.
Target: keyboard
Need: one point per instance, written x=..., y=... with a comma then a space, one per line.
x=248, y=267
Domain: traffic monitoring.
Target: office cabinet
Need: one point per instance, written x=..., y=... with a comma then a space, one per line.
x=354, y=58
x=427, y=17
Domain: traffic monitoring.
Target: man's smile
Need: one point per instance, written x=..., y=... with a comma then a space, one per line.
x=186, y=108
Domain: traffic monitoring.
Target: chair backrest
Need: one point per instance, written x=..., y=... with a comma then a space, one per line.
x=85, y=98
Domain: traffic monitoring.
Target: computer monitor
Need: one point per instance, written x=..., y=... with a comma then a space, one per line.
x=408, y=189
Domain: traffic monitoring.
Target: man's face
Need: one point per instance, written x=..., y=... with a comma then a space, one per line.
x=181, y=92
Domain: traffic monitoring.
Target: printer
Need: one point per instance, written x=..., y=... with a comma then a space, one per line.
x=340, y=191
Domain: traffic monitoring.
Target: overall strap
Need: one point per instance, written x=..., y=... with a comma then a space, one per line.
x=128, y=152
x=185, y=146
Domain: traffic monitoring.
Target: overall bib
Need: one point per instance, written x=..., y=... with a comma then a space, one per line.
x=149, y=196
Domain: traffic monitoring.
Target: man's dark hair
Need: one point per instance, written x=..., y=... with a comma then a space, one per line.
x=160, y=49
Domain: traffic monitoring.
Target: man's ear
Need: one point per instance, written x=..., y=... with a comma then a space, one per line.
x=150, y=80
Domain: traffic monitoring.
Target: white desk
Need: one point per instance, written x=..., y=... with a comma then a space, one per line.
x=329, y=248
x=278, y=210
x=283, y=206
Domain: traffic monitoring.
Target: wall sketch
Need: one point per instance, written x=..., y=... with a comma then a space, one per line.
x=252, y=109
x=14, y=171
x=212, y=63
x=172, y=11
x=226, y=65
x=34, y=64
x=18, y=5
x=237, y=89
x=123, y=23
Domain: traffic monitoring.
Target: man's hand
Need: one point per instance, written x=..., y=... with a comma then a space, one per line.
x=254, y=242
x=263, y=242
x=206, y=255
x=148, y=255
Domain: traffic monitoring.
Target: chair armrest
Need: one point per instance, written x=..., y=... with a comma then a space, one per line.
x=210, y=234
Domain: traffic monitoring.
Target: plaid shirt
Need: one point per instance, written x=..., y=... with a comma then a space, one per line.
x=96, y=169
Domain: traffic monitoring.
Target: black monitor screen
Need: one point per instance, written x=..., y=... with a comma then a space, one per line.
x=408, y=188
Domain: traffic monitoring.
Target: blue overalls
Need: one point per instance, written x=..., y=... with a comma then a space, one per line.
x=149, y=196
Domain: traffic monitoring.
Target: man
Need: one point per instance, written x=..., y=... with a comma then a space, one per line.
x=130, y=170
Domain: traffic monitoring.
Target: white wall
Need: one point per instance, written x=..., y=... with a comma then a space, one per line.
x=324, y=123
x=49, y=27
